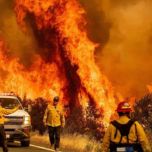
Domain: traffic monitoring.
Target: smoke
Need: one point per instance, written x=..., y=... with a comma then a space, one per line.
x=21, y=45
x=124, y=31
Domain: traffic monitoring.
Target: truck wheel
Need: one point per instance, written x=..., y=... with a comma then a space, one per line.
x=25, y=143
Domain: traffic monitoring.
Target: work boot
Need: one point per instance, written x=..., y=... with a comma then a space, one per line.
x=5, y=149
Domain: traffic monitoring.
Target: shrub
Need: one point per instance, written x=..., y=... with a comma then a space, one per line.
x=143, y=111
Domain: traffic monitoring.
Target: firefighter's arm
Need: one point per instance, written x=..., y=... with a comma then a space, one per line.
x=9, y=111
x=142, y=138
x=106, y=140
x=45, y=116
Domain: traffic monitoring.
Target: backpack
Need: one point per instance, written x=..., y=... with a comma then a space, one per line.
x=124, y=131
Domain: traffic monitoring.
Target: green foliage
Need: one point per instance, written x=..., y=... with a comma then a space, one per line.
x=38, y=107
x=86, y=121
x=94, y=121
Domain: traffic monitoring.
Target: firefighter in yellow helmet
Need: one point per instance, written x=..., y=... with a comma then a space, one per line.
x=124, y=134
x=54, y=119
x=3, y=112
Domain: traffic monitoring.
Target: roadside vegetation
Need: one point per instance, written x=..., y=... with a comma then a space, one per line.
x=143, y=111
x=84, y=132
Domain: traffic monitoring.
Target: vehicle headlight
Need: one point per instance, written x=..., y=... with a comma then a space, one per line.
x=27, y=120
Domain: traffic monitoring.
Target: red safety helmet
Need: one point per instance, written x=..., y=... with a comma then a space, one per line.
x=124, y=107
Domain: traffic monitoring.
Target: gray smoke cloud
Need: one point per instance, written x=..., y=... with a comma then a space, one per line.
x=21, y=45
x=124, y=31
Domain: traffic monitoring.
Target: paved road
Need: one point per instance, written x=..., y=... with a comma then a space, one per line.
x=33, y=148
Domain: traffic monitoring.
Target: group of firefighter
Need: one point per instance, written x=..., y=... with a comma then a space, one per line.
x=122, y=135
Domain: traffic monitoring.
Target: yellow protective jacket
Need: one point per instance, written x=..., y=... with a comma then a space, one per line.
x=3, y=112
x=54, y=116
x=110, y=133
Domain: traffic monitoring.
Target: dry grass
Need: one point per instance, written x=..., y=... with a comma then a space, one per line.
x=70, y=143
x=74, y=143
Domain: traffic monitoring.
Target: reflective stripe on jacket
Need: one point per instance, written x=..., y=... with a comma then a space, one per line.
x=54, y=116
x=110, y=135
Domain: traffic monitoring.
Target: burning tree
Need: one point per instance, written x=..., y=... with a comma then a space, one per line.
x=59, y=27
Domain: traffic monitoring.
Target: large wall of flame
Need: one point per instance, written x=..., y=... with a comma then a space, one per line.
x=123, y=28
x=24, y=67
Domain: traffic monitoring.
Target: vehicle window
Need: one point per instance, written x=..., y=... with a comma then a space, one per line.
x=9, y=103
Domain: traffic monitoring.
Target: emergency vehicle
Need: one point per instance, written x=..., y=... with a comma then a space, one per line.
x=18, y=124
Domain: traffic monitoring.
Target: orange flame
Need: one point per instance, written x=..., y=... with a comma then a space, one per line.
x=149, y=87
x=33, y=82
x=73, y=73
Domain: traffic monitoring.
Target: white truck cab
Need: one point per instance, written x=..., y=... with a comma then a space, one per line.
x=18, y=124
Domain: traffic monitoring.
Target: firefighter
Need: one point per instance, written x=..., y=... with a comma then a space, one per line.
x=54, y=119
x=124, y=134
x=3, y=112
